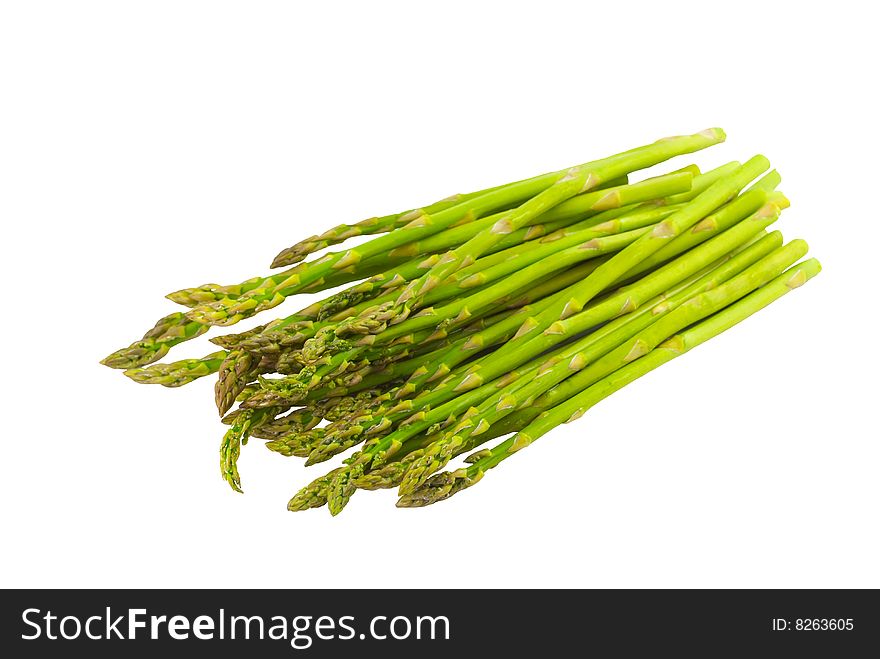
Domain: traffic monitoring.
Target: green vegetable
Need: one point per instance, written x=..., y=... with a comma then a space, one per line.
x=493, y=315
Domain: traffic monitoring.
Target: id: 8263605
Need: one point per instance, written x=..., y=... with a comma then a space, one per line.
x=813, y=624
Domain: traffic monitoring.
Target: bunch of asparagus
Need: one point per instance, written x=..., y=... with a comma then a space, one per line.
x=498, y=314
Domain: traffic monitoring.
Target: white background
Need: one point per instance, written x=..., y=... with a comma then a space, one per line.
x=149, y=146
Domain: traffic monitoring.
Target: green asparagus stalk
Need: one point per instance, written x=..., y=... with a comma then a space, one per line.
x=297, y=420
x=179, y=373
x=237, y=370
x=371, y=226
x=235, y=437
x=198, y=296
x=155, y=344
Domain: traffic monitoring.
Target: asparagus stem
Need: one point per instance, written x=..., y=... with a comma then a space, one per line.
x=371, y=226
x=155, y=344
x=238, y=433
x=374, y=225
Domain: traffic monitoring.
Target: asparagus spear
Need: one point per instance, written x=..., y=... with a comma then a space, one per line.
x=371, y=226
x=237, y=370
x=342, y=232
x=441, y=486
x=297, y=420
x=238, y=433
x=155, y=344
x=179, y=373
